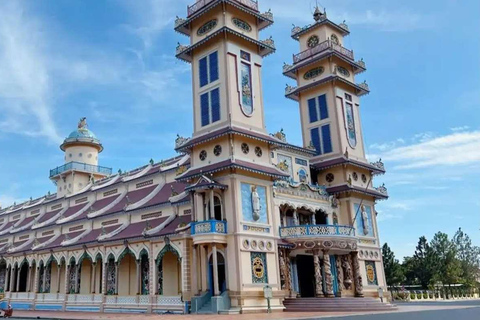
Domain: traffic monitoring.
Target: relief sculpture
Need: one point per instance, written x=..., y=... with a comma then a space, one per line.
x=328, y=275
x=357, y=276
x=347, y=272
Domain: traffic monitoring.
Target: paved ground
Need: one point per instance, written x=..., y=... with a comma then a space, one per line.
x=456, y=310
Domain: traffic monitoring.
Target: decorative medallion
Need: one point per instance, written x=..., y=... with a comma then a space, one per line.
x=329, y=177
x=259, y=267
x=207, y=27
x=313, y=73
x=313, y=41
x=217, y=150
x=302, y=175
x=245, y=148
x=254, y=244
x=246, y=244
x=375, y=254
x=203, y=155
x=239, y=23
x=360, y=253
x=334, y=39
x=258, y=151
x=261, y=245
x=342, y=244
x=355, y=176
x=371, y=272
x=327, y=244
x=344, y=72
x=364, y=178
x=269, y=246
x=309, y=244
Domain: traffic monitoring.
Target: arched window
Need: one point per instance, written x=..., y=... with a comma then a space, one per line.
x=217, y=208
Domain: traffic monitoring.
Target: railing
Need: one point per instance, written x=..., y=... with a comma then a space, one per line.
x=252, y=4
x=316, y=231
x=80, y=166
x=325, y=45
x=210, y=226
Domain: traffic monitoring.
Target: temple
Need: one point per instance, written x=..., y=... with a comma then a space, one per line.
x=237, y=214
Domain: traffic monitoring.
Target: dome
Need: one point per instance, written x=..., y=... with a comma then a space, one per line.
x=82, y=136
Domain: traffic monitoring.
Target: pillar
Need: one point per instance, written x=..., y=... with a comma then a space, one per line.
x=338, y=265
x=116, y=278
x=44, y=279
x=18, y=279
x=203, y=266
x=77, y=269
x=7, y=279
x=317, y=273
x=295, y=217
x=327, y=268
x=357, y=276
x=93, y=278
x=68, y=268
x=288, y=274
x=212, y=206
x=59, y=270
x=104, y=277
x=12, y=279
x=194, y=271
x=215, y=271
x=314, y=221
x=36, y=281
x=139, y=275
x=28, y=278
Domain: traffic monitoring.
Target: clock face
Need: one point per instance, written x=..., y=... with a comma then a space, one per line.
x=312, y=41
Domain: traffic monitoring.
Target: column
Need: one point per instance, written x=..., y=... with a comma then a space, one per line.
x=327, y=268
x=104, y=278
x=68, y=267
x=7, y=279
x=36, y=281
x=288, y=273
x=116, y=278
x=338, y=262
x=212, y=206
x=203, y=272
x=59, y=270
x=215, y=271
x=318, y=273
x=44, y=279
x=194, y=272
x=314, y=221
x=139, y=275
x=28, y=278
x=93, y=278
x=295, y=217
x=357, y=277
x=77, y=268
x=18, y=278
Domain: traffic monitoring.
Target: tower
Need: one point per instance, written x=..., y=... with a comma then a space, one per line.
x=81, y=167
x=329, y=104
x=231, y=174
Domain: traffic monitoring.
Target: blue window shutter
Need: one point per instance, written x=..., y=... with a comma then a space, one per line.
x=213, y=66
x=203, y=72
x=315, y=135
x=215, y=103
x=327, y=139
x=322, y=102
x=204, y=109
x=312, y=110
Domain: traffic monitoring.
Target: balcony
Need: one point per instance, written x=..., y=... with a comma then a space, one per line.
x=211, y=231
x=78, y=166
x=306, y=231
x=322, y=47
x=252, y=4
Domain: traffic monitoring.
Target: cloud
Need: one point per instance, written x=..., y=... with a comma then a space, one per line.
x=25, y=99
x=462, y=128
x=458, y=148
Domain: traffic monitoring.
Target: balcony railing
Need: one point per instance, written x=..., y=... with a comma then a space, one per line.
x=252, y=4
x=316, y=231
x=81, y=167
x=321, y=47
x=210, y=226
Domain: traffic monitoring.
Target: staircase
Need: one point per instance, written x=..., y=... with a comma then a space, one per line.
x=206, y=308
x=336, y=304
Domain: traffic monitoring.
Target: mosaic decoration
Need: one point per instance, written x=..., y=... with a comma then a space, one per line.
x=239, y=23
x=71, y=279
x=334, y=39
x=259, y=267
x=256, y=229
x=288, y=161
x=207, y=27
x=160, y=279
x=302, y=175
x=350, y=125
x=313, y=41
x=3, y=272
x=371, y=272
x=301, y=162
x=247, y=99
x=40, y=280
x=145, y=269
x=344, y=72
x=48, y=277
x=364, y=222
x=313, y=73
x=254, y=203
x=245, y=55
x=111, y=277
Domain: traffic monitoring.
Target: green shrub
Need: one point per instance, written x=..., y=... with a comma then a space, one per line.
x=412, y=296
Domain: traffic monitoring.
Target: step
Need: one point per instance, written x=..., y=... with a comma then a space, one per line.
x=336, y=304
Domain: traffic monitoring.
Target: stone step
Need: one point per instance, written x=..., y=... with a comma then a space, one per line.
x=336, y=304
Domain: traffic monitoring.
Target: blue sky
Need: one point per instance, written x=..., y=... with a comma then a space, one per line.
x=113, y=62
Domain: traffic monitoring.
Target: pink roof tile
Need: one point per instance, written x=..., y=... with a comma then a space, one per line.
x=72, y=210
x=8, y=225
x=133, y=196
x=57, y=242
x=165, y=193
x=135, y=230
x=25, y=222
x=49, y=215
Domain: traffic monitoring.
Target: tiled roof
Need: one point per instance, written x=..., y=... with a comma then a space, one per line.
x=164, y=194
x=49, y=215
x=131, y=197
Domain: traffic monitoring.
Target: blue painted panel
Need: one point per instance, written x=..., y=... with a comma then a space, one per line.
x=21, y=306
x=80, y=308
x=327, y=139
x=125, y=310
x=312, y=110
x=203, y=72
x=333, y=264
x=247, y=210
x=213, y=67
x=215, y=103
x=322, y=103
x=359, y=223
x=204, y=109
x=315, y=135
x=48, y=307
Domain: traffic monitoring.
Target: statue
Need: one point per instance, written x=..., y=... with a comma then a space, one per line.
x=179, y=141
x=256, y=207
x=365, y=221
x=333, y=201
x=347, y=272
x=82, y=124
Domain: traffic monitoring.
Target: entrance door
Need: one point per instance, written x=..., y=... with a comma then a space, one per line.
x=306, y=276
x=222, y=285
x=333, y=263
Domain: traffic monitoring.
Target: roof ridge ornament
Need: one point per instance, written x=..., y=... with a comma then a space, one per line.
x=280, y=135
x=82, y=124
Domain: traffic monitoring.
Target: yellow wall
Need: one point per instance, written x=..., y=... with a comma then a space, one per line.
x=127, y=276
x=170, y=275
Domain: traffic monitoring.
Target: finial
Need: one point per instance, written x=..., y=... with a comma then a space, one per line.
x=119, y=171
x=82, y=124
x=151, y=161
x=317, y=14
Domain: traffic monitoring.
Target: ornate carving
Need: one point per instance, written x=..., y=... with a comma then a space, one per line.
x=333, y=201
x=280, y=135
x=338, y=265
x=180, y=141
x=289, y=89
x=318, y=274
x=382, y=189
x=365, y=221
x=269, y=42
x=357, y=275
x=268, y=15
x=327, y=268
x=181, y=170
x=82, y=124
x=347, y=272
x=283, y=271
x=181, y=48
x=364, y=85
x=283, y=166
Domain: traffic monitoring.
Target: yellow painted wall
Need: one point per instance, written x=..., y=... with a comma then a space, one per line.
x=170, y=275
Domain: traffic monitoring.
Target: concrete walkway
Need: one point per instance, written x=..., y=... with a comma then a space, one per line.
x=403, y=307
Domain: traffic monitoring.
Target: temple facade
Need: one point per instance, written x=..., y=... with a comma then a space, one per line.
x=239, y=212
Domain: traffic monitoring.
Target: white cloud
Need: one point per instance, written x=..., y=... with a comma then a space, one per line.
x=458, y=148
x=461, y=128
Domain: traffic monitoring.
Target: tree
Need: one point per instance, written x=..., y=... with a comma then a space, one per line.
x=447, y=266
x=408, y=269
x=468, y=256
x=393, y=269
x=423, y=263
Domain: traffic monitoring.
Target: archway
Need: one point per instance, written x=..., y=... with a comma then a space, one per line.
x=217, y=208
x=97, y=274
x=168, y=271
x=222, y=284
x=3, y=275
x=22, y=284
x=111, y=275
x=320, y=217
x=144, y=273
x=85, y=266
x=127, y=272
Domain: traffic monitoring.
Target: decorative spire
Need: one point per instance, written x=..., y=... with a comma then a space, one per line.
x=318, y=15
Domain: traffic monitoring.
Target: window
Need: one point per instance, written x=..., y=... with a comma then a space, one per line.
x=207, y=27
x=242, y=24
x=355, y=176
x=217, y=150
x=210, y=107
x=302, y=175
x=317, y=108
x=245, y=148
x=258, y=151
x=321, y=139
x=344, y=72
x=209, y=69
x=203, y=155
x=247, y=98
x=329, y=177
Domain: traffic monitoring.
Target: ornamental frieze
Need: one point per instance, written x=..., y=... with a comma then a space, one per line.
x=344, y=245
